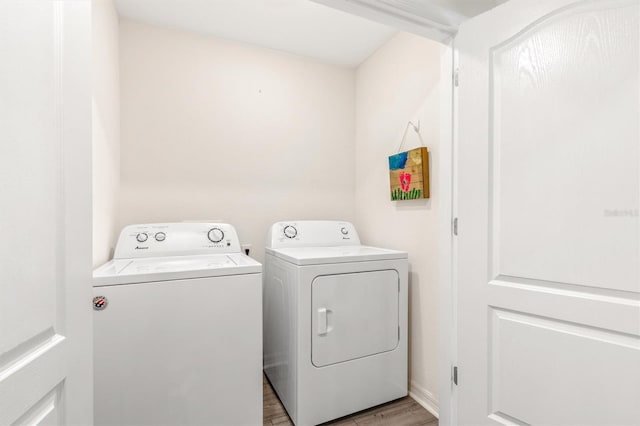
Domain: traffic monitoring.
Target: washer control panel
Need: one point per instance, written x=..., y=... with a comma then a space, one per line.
x=312, y=233
x=176, y=239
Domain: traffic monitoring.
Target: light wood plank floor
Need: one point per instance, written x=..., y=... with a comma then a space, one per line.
x=401, y=412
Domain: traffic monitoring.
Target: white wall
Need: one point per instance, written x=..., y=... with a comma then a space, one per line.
x=401, y=82
x=213, y=129
x=106, y=128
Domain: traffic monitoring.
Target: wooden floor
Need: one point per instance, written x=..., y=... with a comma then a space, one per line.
x=402, y=412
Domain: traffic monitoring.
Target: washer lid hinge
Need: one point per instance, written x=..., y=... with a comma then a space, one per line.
x=454, y=375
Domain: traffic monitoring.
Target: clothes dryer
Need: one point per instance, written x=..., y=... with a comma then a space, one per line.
x=335, y=320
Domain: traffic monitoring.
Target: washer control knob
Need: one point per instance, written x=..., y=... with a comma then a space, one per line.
x=344, y=231
x=160, y=236
x=142, y=237
x=290, y=231
x=215, y=235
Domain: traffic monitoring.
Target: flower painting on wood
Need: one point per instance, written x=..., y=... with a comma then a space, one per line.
x=409, y=174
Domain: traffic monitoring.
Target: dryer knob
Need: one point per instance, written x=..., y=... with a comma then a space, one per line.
x=290, y=231
x=215, y=235
x=142, y=237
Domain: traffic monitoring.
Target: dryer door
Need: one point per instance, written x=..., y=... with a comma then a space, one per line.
x=353, y=316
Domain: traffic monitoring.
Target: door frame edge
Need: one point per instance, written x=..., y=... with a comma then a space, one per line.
x=447, y=336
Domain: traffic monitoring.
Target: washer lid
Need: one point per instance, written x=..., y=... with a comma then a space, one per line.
x=130, y=271
x=341, y=254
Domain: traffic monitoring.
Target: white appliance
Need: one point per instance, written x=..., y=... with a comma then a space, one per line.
x=178, y=328
x=335, y=320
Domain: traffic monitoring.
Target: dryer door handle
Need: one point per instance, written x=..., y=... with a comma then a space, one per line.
x=322, y=321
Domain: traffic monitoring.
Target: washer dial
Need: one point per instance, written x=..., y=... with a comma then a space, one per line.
x=142, y=237
x=160, y=236
x=290, y=231
x=215, y=235
x=344, y=230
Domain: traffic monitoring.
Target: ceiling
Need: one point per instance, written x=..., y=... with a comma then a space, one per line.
x=300, y=27
x=307, y=27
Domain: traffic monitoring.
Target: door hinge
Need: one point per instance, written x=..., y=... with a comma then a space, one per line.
x=455, y=226
x=456, y=77
x=454, y=375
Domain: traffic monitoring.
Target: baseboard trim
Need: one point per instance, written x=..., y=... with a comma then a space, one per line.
x=424, y=398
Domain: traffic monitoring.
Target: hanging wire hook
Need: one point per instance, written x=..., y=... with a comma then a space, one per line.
x=404, y=135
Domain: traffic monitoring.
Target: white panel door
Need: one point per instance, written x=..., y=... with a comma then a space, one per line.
x=45, y=212
x=354, y=315
x=548, y=190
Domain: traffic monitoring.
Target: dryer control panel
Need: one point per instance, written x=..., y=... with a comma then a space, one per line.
x=176, y=239
x=312, y=233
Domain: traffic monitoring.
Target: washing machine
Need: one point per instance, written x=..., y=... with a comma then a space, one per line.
x=335, y=320
x=178, y=328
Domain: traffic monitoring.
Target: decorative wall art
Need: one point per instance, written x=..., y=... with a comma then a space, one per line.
x=409, y=171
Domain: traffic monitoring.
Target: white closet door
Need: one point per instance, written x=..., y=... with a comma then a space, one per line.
x=548, y=190
x=45, y=212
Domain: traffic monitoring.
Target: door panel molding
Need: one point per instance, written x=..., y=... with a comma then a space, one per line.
x=32, y=378
x=27, y=351
x=47, y=411
x=545, y=183
x=597, y=293
x=610, y=313
x=516, y=392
